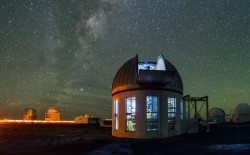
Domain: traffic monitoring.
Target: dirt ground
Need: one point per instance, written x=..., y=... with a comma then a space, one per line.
x=51, y=139
x=222, y=139
x=39, y=139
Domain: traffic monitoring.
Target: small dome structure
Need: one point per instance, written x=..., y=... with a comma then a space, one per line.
x=217, y=115
x=147, y=100
x=52, y=110
x=52, y=114
x=241, y=113
x=29, y=114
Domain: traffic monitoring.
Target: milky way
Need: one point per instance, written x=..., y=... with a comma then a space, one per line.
x=66, y=53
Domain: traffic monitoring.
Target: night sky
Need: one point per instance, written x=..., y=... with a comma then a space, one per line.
x=65, y=53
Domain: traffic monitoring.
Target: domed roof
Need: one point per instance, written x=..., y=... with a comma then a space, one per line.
x=52, y=110
x=217, y=115
x=160, y=74
x=242, y=108
x=216, y=112
x=241, y=113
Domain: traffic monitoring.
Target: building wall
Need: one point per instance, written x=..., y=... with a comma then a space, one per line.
x=241, y=118
x=52, y=116
x=140, y=117
x=29, y=114
x=81, y=120
x=29, y=117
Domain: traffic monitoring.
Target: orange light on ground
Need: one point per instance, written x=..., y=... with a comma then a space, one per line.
x=35, y=121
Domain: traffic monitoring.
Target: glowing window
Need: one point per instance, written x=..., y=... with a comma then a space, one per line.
x=116, y=114
x=171, y=112
x=152, y=113
x=130, y=114
x=146, y=66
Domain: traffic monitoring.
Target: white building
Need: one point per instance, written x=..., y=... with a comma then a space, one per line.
x=52, y=114
x=147, y=100
x=217, y=115
x=241, y=113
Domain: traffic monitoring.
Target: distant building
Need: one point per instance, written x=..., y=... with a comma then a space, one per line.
x=106, y=123
x=86, y=119
x=29, y=114
x=147, y=100
x=52, y=114
x=217, y=115
x=241, y=113
x=82, y=119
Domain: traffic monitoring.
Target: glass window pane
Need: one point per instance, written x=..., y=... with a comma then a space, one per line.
x=171, y=112
x=130, y=113
x=116, y=114
x=152, y=113
x=116, y=106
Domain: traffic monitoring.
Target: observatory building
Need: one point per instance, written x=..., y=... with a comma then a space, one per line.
x=52, y=114
x=29, y=114
x=217, y=115
x=147, y=100
x=241, y=113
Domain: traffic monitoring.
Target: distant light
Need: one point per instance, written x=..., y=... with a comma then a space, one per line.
x=35, y=121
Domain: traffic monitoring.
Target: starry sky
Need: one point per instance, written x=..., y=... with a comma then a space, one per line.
x=65, y=53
